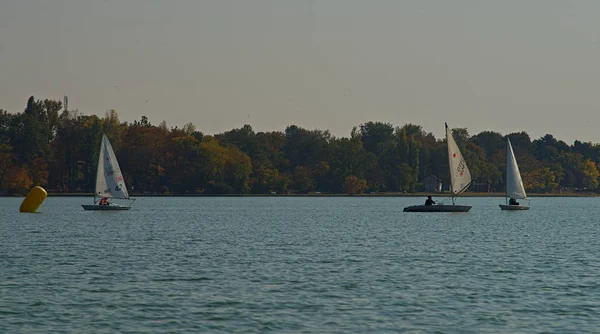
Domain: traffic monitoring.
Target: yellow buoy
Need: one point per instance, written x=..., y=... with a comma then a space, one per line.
x=34, y=199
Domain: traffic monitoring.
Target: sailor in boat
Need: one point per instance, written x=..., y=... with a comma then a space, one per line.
x=429, y=201
x=512, y=201
x=103, y=201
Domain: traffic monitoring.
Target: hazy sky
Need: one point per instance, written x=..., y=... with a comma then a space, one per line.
x=499, y=65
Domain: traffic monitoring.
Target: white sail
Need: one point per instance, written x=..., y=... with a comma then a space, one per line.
x=514, y=183
x=460, y=176
x=109, y=180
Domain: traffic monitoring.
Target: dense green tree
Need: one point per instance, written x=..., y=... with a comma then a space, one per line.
x=590, y=174
x=490, y=142
x=354, y=185
x=46, y=145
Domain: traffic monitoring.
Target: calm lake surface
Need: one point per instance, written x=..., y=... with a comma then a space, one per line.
x=313, y=265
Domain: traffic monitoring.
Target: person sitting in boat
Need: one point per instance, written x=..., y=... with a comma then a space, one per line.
x=512, y=201
x=103, y=201
x=429, y=201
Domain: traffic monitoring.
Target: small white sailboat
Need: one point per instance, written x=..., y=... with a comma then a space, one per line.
x=460, y=180
x=514, y=183
x=110, y=183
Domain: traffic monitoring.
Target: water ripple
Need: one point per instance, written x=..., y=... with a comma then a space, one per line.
x=299, y=265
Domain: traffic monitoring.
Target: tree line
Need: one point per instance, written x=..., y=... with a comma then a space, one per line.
x=58, y=149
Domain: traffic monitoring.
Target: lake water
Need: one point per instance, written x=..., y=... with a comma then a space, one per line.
x=293, y=265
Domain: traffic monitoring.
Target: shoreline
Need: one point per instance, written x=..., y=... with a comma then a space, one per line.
x=419, y=194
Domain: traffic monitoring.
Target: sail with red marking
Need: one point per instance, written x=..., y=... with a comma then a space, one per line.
x=109, y=179
x=460, y=176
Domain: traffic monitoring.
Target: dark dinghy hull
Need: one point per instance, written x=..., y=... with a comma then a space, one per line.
x=513, y=207
x=438, y=208
x=105, y=207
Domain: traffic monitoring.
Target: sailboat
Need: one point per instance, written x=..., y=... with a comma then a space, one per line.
x=460, y=180
x=110, y=183
x=514, y=183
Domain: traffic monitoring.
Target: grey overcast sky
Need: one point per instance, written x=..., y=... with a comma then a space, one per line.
x=506, y=66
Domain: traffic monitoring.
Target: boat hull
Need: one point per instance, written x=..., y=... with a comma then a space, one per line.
x=438, y=208
x=513, y=207
x=105, y=207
